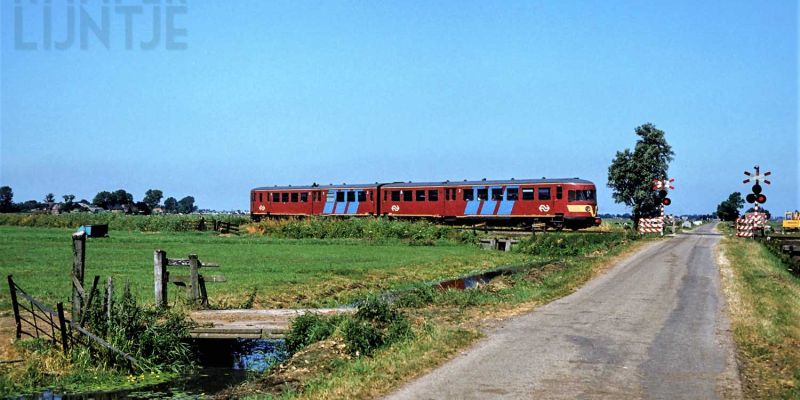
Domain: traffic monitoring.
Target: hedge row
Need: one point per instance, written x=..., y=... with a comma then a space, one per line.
x=417, y=232
x=115, y=221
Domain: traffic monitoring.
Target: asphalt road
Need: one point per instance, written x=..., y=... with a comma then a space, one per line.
x=653, y=327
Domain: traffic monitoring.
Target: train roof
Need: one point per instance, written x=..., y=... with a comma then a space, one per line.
x=490, y=182
x=415, y=184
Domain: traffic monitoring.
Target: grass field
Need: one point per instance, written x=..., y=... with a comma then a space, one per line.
x=282, y=272
x=764, y=303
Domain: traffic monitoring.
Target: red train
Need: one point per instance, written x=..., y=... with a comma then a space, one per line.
x=559, y=203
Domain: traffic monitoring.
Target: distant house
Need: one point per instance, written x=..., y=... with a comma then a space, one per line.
x=90, y=208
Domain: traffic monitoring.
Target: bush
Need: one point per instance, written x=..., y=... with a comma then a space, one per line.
x=415, y=232
x=155, y=338
x=566, y=244
x=375, y=324
x=309, y=328
x=115, y=221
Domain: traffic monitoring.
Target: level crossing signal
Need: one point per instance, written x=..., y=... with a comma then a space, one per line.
x=756, y=196
x=663, y=187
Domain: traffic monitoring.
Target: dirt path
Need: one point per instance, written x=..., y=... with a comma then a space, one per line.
x=654, y=326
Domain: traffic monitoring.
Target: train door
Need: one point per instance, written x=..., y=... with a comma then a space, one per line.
x=545, y=200
x=450, y=205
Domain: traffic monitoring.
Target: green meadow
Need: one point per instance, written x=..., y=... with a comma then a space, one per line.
x=260, y=271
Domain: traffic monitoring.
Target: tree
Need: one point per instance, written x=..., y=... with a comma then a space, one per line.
x=29, y=205
x=631, y=173
x=50, y=198
x=143, y=208
x=6, y=199
x=121, y=198
x=152, y=197
x=728, y=210
x=170, y=205
x=69, y=204
x=103, y=199
x=186, y=205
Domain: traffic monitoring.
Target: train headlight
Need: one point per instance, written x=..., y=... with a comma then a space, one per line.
x=588, y=208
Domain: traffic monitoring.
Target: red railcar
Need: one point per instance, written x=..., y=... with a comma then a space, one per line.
x=569, y=203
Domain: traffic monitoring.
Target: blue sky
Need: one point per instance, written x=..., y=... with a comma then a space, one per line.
x=292, y=92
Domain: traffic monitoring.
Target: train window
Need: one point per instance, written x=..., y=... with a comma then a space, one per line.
x=408, y=195
x=559, y=192
x=497, y=194
x=584, y=195
x=483, y=194
x=544, y=193
x=276, y=197
x=253, y=196
x=469, y=194
x=371, y=195
x=571, y=195
x=339, y=197
x=285, y=197
x=260, y=199
x=294, y=197
x=362, y=196
x=351, y=196
x=304, y=197
x=447, y=194
x=512, y=194
x=452, y=194
x=527, y=194
x=433, y=195
x=395, y=195
x=331, y=197
x=420, y=195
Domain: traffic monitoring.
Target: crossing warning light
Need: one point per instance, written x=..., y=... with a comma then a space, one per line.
x=757, y=197
x=663, y=187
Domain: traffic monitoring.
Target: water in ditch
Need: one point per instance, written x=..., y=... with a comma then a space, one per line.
x=223, y=363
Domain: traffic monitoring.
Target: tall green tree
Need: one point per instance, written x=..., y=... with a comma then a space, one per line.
x=103, y=199
x=122, y=198
x=50, y=198
x=6, y=199
x=728, y=210
x=152, y=198
x=631, y=173
x=186, y=205
x=170, y=205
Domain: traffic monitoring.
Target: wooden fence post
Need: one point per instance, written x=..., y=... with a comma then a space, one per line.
x=88, y=304
x=78, y=267
x=194, y=280
x=13, y=289
x=62, y=325
x=109, y=297
x=161, y=277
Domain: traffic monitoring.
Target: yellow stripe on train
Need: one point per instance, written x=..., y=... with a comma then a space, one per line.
x=581, y=209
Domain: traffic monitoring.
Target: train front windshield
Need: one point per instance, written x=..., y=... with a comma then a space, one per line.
x=582, y=195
